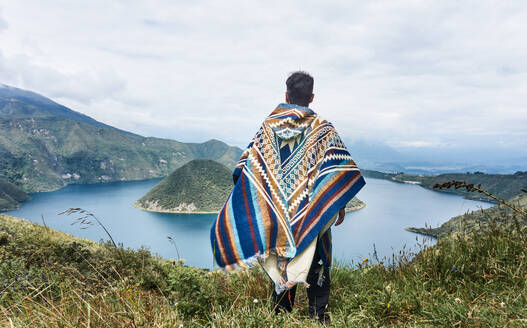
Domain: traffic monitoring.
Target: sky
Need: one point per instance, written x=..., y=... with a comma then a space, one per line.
x=409, y=74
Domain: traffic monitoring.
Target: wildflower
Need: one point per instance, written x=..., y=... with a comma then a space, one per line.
x=454, y=269
x=388, y=288
x=493, y=294
x=181, y=261
x=181, y=325
x=365, y=260
x=502, y=304
x=255, y=301
x=388, y=305
x=457, y=300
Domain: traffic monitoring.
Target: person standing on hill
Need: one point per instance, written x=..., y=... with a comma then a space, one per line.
x=291, y=184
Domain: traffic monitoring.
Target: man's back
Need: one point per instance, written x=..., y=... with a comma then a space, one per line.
x=290, y=184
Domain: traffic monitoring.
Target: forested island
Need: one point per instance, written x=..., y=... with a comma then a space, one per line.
x=200, y=186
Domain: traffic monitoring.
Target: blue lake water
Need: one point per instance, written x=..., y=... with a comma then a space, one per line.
x=390, y=208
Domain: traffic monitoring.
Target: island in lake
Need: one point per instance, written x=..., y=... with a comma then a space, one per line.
x=200, y=186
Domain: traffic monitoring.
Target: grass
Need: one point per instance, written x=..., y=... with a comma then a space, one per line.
x=201, y=182
x=51, y=279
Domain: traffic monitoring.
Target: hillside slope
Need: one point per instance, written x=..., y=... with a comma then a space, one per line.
x=478, y=220
x=199, y=186
x=52, y=279
x=505, y=186
x=45, y=146
x=10, y=196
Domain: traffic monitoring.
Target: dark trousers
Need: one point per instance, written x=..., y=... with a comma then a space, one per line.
x=318, y=296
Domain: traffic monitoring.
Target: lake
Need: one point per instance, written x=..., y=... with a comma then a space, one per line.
x=390, y=207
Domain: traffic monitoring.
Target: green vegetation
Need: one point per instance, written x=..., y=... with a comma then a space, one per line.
x=51, y=279
x=10, y=196
x=45, y=146
x=198, y=186
x=377, y=174
x=478, y=220
x=201, y=185
x=504, y=186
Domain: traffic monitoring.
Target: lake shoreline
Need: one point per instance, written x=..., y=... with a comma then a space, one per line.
x=356, y=208
x=136, y=205
x=391, y=207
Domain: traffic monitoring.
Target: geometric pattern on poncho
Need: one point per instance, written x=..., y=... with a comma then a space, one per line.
x=294, y=176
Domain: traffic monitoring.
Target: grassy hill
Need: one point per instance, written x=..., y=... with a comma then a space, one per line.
x=10, y=196
x=45, y=146
x=505, y=186
x=52, y=279
x=199, y=186
x=482, y=219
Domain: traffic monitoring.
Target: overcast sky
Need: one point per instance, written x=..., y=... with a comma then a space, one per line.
x=407, y=73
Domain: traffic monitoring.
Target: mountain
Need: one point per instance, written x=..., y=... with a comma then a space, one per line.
x=45, y=146
x=10, y=196
x=479, y=220
x=505, y=186
x=19, y=103
x=199, y=186
x=434, y=160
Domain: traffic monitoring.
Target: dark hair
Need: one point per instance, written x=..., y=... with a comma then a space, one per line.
x=299, y=88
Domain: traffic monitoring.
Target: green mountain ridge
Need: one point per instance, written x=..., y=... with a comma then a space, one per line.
x=504, y=186
x=45, y=146
x=478, y=220
x=201, y=185
x=10, y=196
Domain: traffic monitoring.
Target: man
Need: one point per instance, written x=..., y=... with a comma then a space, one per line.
x=290, y=185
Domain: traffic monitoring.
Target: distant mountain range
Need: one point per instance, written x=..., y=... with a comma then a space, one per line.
x=45, y=146
x=199, y=186
x=430, y=160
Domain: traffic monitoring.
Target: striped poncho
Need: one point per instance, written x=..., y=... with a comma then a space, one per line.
x=292, y=179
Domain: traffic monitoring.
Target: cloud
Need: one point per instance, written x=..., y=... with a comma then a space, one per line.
x=434, y=74
x=82, y=87
x=3, y=23
x=419, y=144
